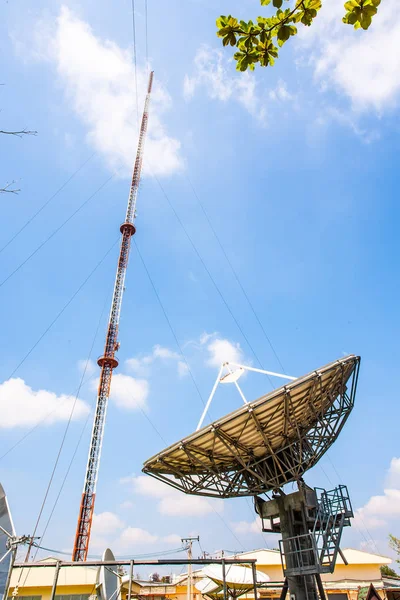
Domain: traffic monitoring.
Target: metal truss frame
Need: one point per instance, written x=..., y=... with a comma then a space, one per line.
x=239, y=472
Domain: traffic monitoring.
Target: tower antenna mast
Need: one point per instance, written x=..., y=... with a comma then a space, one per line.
x=108, y=362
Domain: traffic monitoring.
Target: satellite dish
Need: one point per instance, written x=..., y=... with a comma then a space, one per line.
x=238, y=579
x=266, y=443
x=208, y=588
x=236, y=576
x=108, y=579
x=6, y=532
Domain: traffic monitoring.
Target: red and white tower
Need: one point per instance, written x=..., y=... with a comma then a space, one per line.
x=108, y=362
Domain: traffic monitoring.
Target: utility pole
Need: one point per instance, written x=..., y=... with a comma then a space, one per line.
x=189, y=541
x=108, y=362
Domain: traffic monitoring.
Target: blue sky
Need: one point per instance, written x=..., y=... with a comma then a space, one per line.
x=296, y=168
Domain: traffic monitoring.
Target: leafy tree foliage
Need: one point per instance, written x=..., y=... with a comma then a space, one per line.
x=394, y=543
x=259, y=43
x=386, y=571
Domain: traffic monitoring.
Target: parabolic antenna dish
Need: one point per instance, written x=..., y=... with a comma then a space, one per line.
x=266, y=443
x=208, y=588
x=6, y=524
x=108, y=580
x=236, y=576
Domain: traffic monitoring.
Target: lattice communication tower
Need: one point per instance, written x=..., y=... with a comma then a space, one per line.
x=108, y=362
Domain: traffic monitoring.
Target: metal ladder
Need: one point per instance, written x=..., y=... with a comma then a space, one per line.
x=333, y=513
x=316, y=551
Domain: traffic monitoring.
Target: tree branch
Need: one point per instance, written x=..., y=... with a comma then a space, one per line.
x=19, y=133
x=9, y=190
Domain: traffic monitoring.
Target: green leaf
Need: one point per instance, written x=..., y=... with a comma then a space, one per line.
x=370, y=11
x=351, y=4
x=256, y=41
x=284, y=33
x=365, y=20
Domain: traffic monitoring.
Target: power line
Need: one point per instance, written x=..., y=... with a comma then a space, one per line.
x=221, y=295
x=46, y=203
x=134, y=59
x=152, y=425
x=70, y=416
x=235, y=274
x=177, y=342
x=169, y=323
x=84, y=426
x=55, y=231
x=210, y=276
x=362, y=520
x=227, y=526
x=21, y=439
x=262, y=534
x=356, y=526
x=125, y=557
x=62, y=310
x=65, y=478
x=146, y=33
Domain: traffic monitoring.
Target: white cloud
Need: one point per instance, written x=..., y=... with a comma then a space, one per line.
x=173, y=538
x=128, y=392
x=136, y=536
x=88, y=367
x=110, y=530
x=247, y=527
x=218, y=349
x=133, y=536
x=206, y=337
x=141, y=365
x=106, y=523
x=216, y=73
x=183, y=369
x=280, y=93
x=99, y=80
x=393, y=476
x=348, y=119
x=21, y=406
x=126, y=505
x=172, y=502
x=175, y=505
x=164, y=353
x=364, y=66
x=221, y=350
x=380, y=509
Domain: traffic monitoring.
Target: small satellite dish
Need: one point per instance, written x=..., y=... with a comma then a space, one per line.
x=232, y=376
x=208, y=588
x=6, y=532
x=236, y=576
x=108, y=579
x=238, y=579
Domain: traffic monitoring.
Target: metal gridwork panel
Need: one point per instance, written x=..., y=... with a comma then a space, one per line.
x=269, y=442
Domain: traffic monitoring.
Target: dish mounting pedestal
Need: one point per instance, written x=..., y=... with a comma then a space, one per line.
x=311, y=522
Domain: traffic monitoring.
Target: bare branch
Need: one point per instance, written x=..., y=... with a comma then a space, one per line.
x=8, y=189
x=19, y=133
